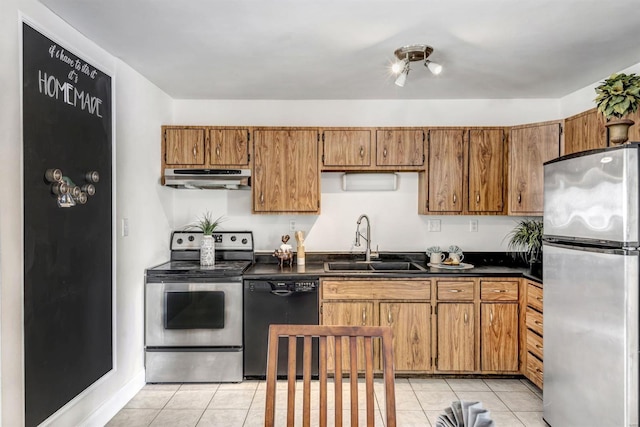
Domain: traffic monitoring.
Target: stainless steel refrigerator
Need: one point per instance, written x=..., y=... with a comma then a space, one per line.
x=590, y=279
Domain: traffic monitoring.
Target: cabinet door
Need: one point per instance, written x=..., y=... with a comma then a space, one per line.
x=184, y=146
x=347, y=314
x=530, y=147
x=584, y=131
x=346, y=147
x=411, y=324
x=486, y=170
x=229, y=147
x=286, y=175
x=499, y=337
x=400, y=147
x=446, y=166
x=456, y=337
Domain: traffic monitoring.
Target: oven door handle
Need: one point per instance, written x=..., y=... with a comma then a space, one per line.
x=282, y=293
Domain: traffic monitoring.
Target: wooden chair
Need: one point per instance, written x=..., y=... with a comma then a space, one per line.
x=351, y=333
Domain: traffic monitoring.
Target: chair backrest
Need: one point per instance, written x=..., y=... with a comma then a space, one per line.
x=351, y=336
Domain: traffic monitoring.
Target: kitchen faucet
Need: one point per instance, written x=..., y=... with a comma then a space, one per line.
x=367, y=237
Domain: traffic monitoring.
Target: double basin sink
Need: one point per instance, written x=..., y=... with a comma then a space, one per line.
x=373, y=266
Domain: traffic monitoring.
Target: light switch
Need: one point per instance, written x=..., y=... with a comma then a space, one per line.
x=125, y=227
x=473, y=225
x=433, y=225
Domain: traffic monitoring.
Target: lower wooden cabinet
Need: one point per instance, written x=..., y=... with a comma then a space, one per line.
x=359, y=313
x=456, y=337
x=411, y=324
x=533, y=340
x=499, y=337
x=447, y=325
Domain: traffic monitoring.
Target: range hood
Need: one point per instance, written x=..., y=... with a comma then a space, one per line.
x=226, y=179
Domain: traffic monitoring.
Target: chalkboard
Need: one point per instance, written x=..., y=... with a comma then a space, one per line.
x=67, y=250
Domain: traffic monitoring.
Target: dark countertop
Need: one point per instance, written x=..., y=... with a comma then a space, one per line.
x=485, y=264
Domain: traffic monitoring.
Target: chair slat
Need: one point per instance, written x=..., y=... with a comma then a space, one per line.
x=322, y=378
x=368, y=378
x=291, y=377
x=306, y=381
x=353, y=379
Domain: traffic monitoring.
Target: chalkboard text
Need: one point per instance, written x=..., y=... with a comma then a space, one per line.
x=66, y=92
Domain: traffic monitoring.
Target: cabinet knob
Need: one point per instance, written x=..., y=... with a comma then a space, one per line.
x=538, y=323
x=218, y=150
x=364, y=316
x=499, y=290
x=389, y=317
x=384, y=153
x=455, y=199
x=491, y=317
x=519, y=198
x=362, y=152
x=538, y=346
x=466, y=317
x=262, y=198
x=477, y=197
x=455, y=290
x=195, y=152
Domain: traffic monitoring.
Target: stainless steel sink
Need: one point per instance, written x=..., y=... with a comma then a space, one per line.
x=375, y=266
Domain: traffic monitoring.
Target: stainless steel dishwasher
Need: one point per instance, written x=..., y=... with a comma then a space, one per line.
x=273, y=301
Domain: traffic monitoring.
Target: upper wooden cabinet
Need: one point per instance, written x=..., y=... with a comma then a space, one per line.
x=184, y=147
x=465, y=172
x=346, y=147
x=367, y=149
x=529, y=147
x=286, y=171
x=229, y=147
x=203, y=147
x=395, y=147
x=486, y=171
x=584, y=131
x=446, y=170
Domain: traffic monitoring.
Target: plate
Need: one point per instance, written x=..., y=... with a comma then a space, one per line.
x=461, y=266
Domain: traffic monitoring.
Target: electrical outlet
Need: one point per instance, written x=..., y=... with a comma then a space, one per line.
x=292, y=225
x=473, y=225
x=433, y=225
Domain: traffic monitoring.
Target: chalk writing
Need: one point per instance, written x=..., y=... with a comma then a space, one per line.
x=66, y=92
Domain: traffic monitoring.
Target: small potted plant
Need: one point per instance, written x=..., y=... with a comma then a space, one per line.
x=618, y=96
x=207, y=225
x=526, y=242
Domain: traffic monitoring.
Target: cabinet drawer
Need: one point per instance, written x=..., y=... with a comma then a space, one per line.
x=401, y=289
x=455, y=291
x=343, y=289
x=534, y=321
x=493, y=290
x=534, y=370
x=534, y=344
x=534, y=296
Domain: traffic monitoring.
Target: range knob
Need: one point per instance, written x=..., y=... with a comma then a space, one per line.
x=179, y=241
x=191, y=238
x=244, y=241
x=233, y=238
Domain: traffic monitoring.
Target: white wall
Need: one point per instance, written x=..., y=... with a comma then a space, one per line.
x=140, y=109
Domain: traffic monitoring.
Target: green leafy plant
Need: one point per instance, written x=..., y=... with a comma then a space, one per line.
x=618, y=96
x=207, y=224
x=526, y=240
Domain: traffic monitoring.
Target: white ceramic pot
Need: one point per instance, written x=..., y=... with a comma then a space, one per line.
x=207, y=251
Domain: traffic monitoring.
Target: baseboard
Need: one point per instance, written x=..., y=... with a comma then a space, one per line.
x=103, y=414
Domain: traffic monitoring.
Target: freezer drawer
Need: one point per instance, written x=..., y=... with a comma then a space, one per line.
x=593, y=197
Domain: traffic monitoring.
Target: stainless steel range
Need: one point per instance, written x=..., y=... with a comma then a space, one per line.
x=193, y=314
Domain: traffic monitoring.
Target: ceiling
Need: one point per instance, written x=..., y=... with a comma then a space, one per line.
x=342, y=49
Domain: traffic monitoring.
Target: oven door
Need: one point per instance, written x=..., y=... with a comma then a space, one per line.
x=193, y=314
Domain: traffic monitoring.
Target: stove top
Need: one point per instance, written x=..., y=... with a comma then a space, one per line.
x=234, y=255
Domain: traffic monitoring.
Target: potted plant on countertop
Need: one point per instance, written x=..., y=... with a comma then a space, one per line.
x=207, y=225
x=618, y=96
x=526, y=242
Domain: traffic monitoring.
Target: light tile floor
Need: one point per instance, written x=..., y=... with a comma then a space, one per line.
x=419, y=401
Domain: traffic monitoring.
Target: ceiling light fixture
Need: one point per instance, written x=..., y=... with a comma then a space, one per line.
x=413, y=53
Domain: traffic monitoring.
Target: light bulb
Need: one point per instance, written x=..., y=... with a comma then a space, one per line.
x=402, y=78
x=396, y=67
x=434, y=67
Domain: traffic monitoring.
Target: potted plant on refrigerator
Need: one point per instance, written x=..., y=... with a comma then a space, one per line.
x=208, y=247
x=618, y=96
x=526, y=242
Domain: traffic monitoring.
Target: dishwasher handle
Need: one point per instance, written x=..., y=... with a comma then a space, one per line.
x=282, y=293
